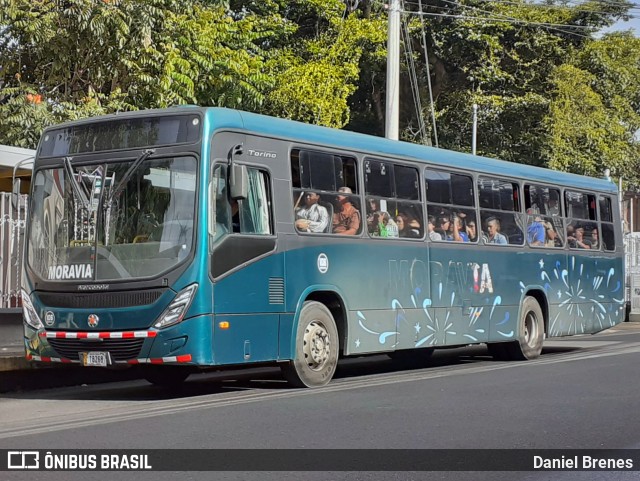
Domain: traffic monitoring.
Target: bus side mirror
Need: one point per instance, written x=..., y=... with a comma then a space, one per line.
x=239, y=182
x=15, y=193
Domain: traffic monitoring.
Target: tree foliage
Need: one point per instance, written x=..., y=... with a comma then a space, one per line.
x=549, y=90
x=594, y=114
x=86, y=57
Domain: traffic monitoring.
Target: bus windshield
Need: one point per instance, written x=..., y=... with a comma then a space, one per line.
x=112, y=221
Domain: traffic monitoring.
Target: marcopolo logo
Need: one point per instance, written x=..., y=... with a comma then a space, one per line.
x=93, y=320
x=23, y=460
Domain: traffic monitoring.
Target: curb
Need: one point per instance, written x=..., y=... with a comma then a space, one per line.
x=14, y=363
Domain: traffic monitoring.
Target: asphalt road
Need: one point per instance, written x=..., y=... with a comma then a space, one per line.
x=581, y=394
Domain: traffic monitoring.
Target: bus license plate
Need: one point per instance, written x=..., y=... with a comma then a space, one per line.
x=99, y=359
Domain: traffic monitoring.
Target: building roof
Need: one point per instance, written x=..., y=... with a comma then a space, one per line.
x=9, y=158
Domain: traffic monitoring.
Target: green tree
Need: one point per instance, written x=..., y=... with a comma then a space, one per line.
x=65, y=60
x=594, y=113
x=498, y=55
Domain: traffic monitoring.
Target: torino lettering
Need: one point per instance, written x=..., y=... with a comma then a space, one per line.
x=73, y=271
x=262, y=153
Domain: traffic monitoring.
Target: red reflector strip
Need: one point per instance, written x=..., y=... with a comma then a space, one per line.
x=155, y=360
x=97, y=335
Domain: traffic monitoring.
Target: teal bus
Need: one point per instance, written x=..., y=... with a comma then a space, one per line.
x=191, y=239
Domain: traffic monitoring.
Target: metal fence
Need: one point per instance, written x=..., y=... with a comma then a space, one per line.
x=12, y=224
x=632, y=269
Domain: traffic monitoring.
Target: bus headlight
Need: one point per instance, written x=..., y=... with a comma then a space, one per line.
x=175, y=312
x=30, y=315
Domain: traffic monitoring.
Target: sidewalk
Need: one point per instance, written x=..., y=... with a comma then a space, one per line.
x=11, y=343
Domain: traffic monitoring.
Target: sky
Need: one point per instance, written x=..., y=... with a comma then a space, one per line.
x=633, y=23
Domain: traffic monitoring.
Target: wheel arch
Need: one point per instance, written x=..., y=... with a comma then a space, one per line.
x=540, y=296
x=333, y=299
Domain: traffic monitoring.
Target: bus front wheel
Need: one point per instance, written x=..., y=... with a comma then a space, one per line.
x=316, y=349
x=531, y=331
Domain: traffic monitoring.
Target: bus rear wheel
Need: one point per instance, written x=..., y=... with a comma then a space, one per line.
x=316, y=348
x=530, y=332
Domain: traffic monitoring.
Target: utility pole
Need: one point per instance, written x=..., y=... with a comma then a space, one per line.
x=475, y=129
x=392, y=107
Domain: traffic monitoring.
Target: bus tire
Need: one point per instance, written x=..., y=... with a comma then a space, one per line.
x=530, y=332
x=316, y=348
x=166, y=376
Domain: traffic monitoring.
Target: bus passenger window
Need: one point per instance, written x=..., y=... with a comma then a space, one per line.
x=244, y=216
x=608, y=237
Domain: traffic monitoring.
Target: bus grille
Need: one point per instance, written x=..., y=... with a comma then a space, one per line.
x=81, y=300
x=120, y=349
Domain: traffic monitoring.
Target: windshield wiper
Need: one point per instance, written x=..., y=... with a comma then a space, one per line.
x=136, y=163
x=74, y=184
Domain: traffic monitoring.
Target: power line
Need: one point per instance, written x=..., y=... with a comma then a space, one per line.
x=413, y=78
x=426, y=61
x=505, y=19
x=514, y=20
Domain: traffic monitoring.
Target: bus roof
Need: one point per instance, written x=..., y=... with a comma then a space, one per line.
x=219, y=118
x=225, y=118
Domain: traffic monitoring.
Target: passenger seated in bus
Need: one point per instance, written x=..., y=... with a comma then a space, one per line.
x=387, y=226
x=415, y=226
x=405, y=228
x=373, y=216
x=493, y=232
x=535, y=231
x=571, y=235
x=433, y=235
x=373, y=224
x=456, y=232
x=346, y=219
x=235, y=216
x=312, y=217
x=472, y=230
x=595, y=239
x=552, y=239
x=442, y=227
x=577, y=240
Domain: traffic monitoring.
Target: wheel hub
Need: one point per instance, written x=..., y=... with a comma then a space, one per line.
x=530, y=328
x=317, y=345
